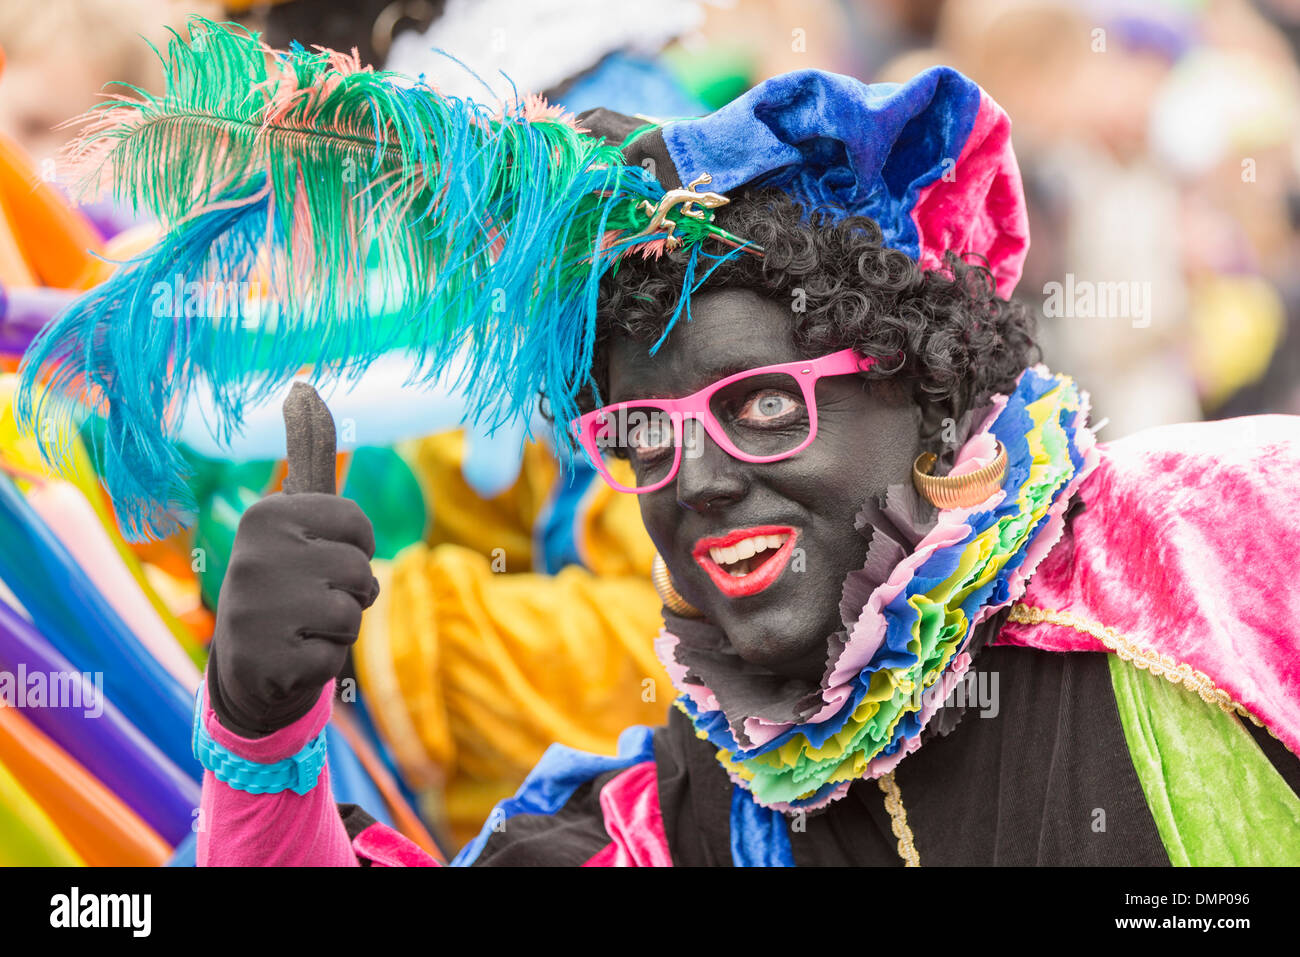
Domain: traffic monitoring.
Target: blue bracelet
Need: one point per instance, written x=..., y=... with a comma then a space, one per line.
x=298, y=773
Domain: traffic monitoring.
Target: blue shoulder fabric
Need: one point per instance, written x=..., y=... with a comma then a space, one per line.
x=758, y=834
x=828, y=139
x=560, y=772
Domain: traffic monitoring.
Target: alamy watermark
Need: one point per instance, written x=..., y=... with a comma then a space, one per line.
x=972, y=690
x=1085, y=299
x=621, y=428
x=130, y=911
x=206, y=300
x=53, y=689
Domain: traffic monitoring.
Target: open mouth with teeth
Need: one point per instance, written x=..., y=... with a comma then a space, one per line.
x=747, y=554
x=747, y=560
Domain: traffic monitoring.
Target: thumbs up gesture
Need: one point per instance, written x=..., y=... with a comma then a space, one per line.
x=298, y=579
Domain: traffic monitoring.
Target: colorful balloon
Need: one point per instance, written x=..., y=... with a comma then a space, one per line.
x=29, y=837
x=70, y=517
x=107, y=745
x=99, y=827
x=71, y=614
x=378, y=409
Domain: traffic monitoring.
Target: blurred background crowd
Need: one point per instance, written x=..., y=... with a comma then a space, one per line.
x=1159, y=142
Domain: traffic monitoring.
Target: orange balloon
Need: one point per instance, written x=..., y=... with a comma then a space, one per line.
x=56, y=241
x=14, y=270
x=98, y=826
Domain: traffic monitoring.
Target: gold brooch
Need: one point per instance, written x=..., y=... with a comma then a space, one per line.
x=687, y=202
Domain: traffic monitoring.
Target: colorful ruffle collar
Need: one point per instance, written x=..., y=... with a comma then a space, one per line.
x=930, y=578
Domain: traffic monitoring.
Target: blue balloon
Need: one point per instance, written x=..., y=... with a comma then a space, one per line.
x=69, y=612
x=105, y=744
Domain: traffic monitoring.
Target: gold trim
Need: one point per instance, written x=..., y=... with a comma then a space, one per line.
x=961, y=491
x=1142, y=657
x=898, y=820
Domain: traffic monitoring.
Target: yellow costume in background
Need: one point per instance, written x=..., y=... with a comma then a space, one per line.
x=472, y=663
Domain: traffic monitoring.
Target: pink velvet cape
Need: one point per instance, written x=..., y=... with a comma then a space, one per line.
x=1187, y=554
x=1184, y=556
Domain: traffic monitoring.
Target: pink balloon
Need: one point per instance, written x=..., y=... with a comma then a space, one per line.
x=72, y=519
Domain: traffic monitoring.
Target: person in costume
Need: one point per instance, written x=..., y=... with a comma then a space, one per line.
x=505, y=525
x=914, y=613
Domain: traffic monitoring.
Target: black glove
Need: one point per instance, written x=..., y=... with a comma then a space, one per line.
x=298, y=579
x=290, y=608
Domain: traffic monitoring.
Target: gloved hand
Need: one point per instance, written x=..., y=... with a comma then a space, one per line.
x=298, y=579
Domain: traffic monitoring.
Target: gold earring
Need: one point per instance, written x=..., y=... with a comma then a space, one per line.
x=668, y=593
x=962, y=491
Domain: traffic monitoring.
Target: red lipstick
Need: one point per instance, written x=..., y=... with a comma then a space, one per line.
x=738, y=586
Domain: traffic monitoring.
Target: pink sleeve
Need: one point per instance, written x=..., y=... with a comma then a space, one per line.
x=238, y=829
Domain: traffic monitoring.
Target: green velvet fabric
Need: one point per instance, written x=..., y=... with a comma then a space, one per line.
x=1215, y=797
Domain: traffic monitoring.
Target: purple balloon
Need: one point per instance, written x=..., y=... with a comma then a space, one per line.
x=106, y=744
x=24, y=311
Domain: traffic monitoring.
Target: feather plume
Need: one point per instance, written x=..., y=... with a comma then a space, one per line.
x=298, y=180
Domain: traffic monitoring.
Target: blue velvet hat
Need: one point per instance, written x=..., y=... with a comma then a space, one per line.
x=930, y=160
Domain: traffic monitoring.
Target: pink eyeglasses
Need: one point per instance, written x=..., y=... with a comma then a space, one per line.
x=760, y=415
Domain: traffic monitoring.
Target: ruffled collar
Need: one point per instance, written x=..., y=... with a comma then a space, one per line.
x=914, y=615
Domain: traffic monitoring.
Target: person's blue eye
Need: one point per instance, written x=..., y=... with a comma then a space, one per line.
x=649, y=441
x=649, y=437
x=768, y=407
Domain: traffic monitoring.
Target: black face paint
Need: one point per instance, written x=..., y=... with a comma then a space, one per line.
x=863, y=445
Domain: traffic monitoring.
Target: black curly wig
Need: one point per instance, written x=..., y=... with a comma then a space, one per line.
x=943, y=338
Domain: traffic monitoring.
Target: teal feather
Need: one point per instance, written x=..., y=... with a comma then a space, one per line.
x=301, y=174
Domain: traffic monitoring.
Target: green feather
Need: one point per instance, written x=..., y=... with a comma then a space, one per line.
x=312, y=180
